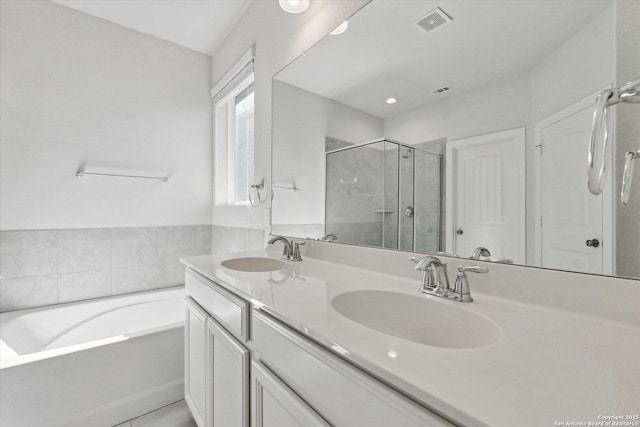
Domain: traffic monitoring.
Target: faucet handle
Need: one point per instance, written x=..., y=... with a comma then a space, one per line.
x=461, y=288
x=472, y=269
x=296, y=251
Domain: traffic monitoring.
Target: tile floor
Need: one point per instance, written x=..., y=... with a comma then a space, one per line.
x=174, y=415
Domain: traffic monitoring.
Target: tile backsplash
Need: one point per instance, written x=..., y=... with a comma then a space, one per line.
x=234, y=239
x=44, y=267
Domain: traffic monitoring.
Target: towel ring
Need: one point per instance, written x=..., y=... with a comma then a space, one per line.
x=257, y=188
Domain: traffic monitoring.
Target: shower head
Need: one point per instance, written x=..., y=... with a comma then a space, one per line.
x=406, y=154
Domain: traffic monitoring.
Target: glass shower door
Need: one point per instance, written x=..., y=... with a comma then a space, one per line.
x=384, y=194
x=427, y=209
x=354, y=194
x=406, y=211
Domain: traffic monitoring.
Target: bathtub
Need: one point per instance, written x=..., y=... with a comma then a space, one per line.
x=92, y=363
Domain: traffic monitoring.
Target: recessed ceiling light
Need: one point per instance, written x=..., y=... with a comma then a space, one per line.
x=391, y=101
x=294, y=6
x=340, y=29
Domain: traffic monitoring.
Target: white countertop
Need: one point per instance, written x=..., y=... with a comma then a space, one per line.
x=548, y=366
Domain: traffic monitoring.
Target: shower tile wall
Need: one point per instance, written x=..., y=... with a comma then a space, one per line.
x=391, y=187
x=331, y=144
x=44, y=267
x=351, y=206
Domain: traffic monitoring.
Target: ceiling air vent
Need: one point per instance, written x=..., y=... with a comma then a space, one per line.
x=441, y=90
x=434, y=19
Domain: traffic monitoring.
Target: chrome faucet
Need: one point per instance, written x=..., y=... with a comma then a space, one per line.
x=288, y=248
x=436, y=282
x=291, y=249
x=480, y=251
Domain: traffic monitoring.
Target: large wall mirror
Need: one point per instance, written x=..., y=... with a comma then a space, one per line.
x=448, y=126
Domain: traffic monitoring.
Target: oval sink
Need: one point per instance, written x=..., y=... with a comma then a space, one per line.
x=417, y=319
x=254, y=264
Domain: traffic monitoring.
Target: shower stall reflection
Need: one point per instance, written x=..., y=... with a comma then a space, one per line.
x=384, y=194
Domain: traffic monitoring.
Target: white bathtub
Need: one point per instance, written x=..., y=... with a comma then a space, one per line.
x=92, y=363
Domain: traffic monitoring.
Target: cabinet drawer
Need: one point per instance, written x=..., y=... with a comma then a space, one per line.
x=232, y=312
x=339, y=392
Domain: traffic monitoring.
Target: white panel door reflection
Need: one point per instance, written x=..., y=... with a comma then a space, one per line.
x=485, y=195
x=572, y=218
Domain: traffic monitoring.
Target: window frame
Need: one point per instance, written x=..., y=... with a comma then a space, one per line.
x=240, y=78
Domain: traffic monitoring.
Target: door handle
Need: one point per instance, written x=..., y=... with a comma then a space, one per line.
x=408, y=212
x=459, y=232
x=593, y=243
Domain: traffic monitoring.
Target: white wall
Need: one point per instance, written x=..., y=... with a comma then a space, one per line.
x=579, y=67
x=280, y=37
x=487, y=110
x=627, y=139
x=301, y=122
x=79, y=90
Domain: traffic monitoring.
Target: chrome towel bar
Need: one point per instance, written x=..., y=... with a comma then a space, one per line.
x=81, y=174
x=627, y=175
x=291, y=187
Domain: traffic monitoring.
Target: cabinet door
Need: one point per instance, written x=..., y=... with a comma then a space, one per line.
x=275, y=405
x=195, y=360
x=228, y=376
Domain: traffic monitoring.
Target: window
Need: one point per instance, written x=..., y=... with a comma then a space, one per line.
x=234, y=131
x=242, y=145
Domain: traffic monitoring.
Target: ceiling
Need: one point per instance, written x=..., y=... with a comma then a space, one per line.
x=200, y=25
x=385, y=54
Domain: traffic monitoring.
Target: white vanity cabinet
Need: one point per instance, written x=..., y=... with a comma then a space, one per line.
x=340, y=393
x=279, y=378
x=216, y=359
